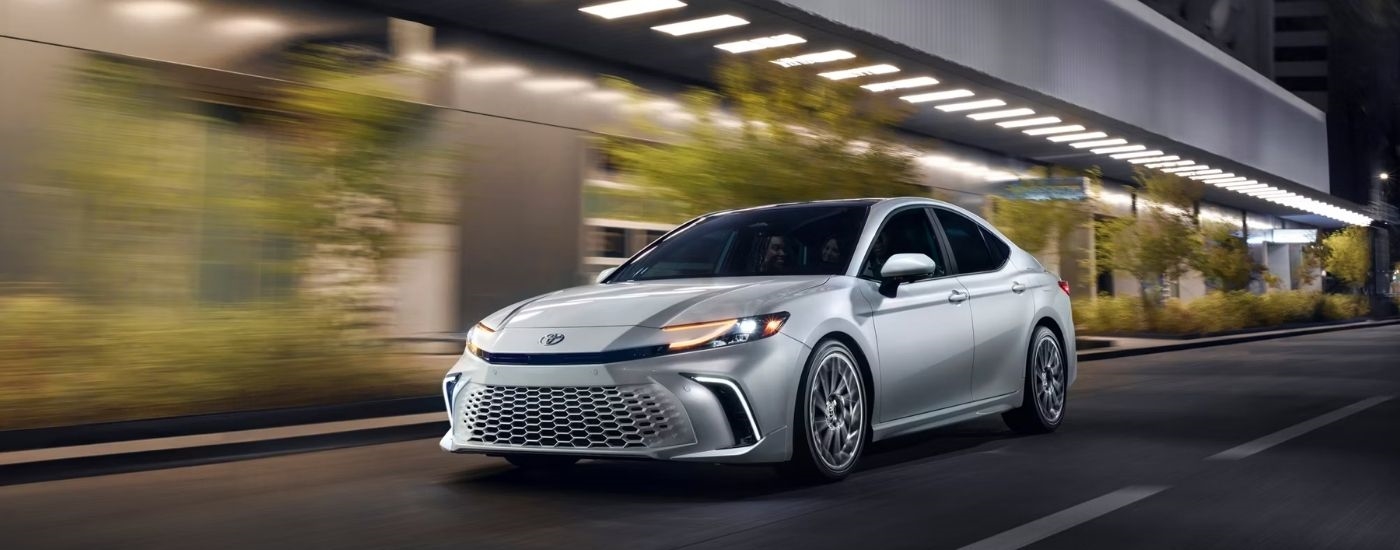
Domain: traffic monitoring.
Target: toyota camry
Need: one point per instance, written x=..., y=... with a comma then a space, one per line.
x=793, y=334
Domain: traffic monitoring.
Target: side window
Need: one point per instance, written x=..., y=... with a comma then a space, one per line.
x=1000, y=250
x=908, y=231
x=969, y=248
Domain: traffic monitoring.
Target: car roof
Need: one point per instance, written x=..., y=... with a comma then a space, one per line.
x=867, y=201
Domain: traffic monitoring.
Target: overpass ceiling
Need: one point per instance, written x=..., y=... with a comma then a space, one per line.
x=631, y=41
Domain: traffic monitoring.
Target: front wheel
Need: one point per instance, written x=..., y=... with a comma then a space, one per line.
x=1043, y=407
x=832, y=424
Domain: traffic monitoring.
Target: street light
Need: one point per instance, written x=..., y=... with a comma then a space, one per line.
x=1384, y=176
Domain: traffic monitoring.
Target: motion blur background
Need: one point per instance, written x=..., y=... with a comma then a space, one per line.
x=212, y=205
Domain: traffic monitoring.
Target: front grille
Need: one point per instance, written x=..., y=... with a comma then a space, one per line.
x=581, y=417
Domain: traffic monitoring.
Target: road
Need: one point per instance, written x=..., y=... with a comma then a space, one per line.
x=1311, y=460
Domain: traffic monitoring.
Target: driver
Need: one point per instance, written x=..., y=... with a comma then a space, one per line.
x=774, y=255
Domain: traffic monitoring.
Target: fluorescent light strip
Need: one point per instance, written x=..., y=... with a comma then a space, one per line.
x=1247, y=188
x=1139, y=154
x=626, y=8
x=755, y=44
x=1153, y=159
x=1180, y=163
x=1210, y=178
x=860, y=71
x=1120, y=149
x=1227, y=181
x=1054, y=130
x=915, y=82
x=1098, y=143
x=993, y=115
x=1197, y=174
x=937, y=96
x=1077, y=137
x=1039, y=121
x=1210, y=174
x=1186, y=168
x=970, y=105
x=703, y=24
x=814, y=58
x=1237, y=185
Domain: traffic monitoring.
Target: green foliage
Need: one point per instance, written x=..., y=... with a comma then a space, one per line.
x=1224, y=258
x=798, y=137
x=1215, y=312
x=144, y=362
x=1161, y=242
x=1348, y=255
x=1309, y=264
x=1033, y=224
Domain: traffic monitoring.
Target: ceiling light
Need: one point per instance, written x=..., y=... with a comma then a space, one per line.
x=1185, y=168
x=860, y=71
x=993, y=115
x=764, y=43
x=1039, y=121
x=1227, y=181
x=1154, y=160
x=1098, y=143
x=1119, y=149
x=154, y=10
x=1215, y=177
x=1194, y=173
x=970, y=105
x=1210, y=174
x=814, y=58
x=1256, y=189
x=1175, y=164
x=1077, y=137
x=901, y=84
x=1247, y=188
x=1237, y=185
x=937, y=96
x=701, y=25
x=1139, y=154
x=1054, y=130
x=625, y=8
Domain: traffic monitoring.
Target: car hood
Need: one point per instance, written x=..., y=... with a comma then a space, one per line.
x=655, y=304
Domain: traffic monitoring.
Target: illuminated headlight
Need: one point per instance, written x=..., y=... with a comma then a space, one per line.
x=474, y=334
x=715, y=334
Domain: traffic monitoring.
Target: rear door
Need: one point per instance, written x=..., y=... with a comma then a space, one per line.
x=1000, y=302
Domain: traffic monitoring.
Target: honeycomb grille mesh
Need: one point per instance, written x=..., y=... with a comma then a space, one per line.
x=578, y=417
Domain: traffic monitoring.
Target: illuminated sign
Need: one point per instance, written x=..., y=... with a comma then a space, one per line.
x=1293, y=236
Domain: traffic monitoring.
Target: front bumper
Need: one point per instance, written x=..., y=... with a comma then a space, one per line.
x=648, y=408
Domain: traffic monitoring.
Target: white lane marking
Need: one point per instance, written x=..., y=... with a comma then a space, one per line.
x=1296, y=430
x=1034, y=531
x=201, y=440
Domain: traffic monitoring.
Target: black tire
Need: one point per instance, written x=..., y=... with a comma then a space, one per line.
x=541, y=462
x=1037, y=416
x=807, y=464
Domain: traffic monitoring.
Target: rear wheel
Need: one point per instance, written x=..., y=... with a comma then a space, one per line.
x=1046, y=384
x=831, y=420
x=541, y=462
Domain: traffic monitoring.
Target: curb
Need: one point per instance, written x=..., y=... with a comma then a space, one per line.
x=1111, y=353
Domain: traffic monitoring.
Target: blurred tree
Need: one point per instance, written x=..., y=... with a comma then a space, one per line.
x=797, y=137
x=1224, y=258
x=1159, y=244
x=1348, y=256
x=1034, y=217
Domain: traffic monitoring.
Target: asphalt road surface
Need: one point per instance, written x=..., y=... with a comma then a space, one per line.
x=1288, y=443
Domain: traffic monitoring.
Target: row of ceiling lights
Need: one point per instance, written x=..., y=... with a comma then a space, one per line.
x=981, y=109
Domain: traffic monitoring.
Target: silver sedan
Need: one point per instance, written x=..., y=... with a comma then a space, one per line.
x=793, y=334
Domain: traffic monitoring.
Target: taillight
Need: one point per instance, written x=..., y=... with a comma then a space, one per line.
x=1064, y=285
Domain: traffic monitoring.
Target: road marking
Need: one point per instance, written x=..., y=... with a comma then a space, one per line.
x=1034, y=531
x=241, y=436
x=1296, y=430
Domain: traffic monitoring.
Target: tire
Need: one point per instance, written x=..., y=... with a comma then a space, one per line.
x=1045, y=389
x=829, y=438
x=541, y=462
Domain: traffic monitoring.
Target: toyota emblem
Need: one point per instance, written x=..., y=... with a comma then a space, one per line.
x=552, y=338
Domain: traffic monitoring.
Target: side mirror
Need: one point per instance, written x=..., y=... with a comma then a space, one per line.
x=603, y=275
x=907, y=265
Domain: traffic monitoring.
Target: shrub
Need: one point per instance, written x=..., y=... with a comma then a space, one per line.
x=1222, y=311
x=1110, y=314
x=64, y=362
x=1276, y=308
x=1337, y=307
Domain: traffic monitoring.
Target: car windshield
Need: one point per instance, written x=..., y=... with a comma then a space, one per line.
x=810, y=239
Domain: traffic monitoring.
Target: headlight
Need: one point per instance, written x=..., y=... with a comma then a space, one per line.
x=479, y=328
x=715, y=334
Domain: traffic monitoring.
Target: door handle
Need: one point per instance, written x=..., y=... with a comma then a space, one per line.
x=1017, y=287
x=957, y=297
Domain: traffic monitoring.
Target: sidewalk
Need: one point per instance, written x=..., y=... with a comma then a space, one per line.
x=411, y=418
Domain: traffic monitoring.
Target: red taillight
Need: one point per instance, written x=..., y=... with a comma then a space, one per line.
x=1064, y=285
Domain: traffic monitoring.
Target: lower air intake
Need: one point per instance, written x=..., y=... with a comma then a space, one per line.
x=640, y=416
